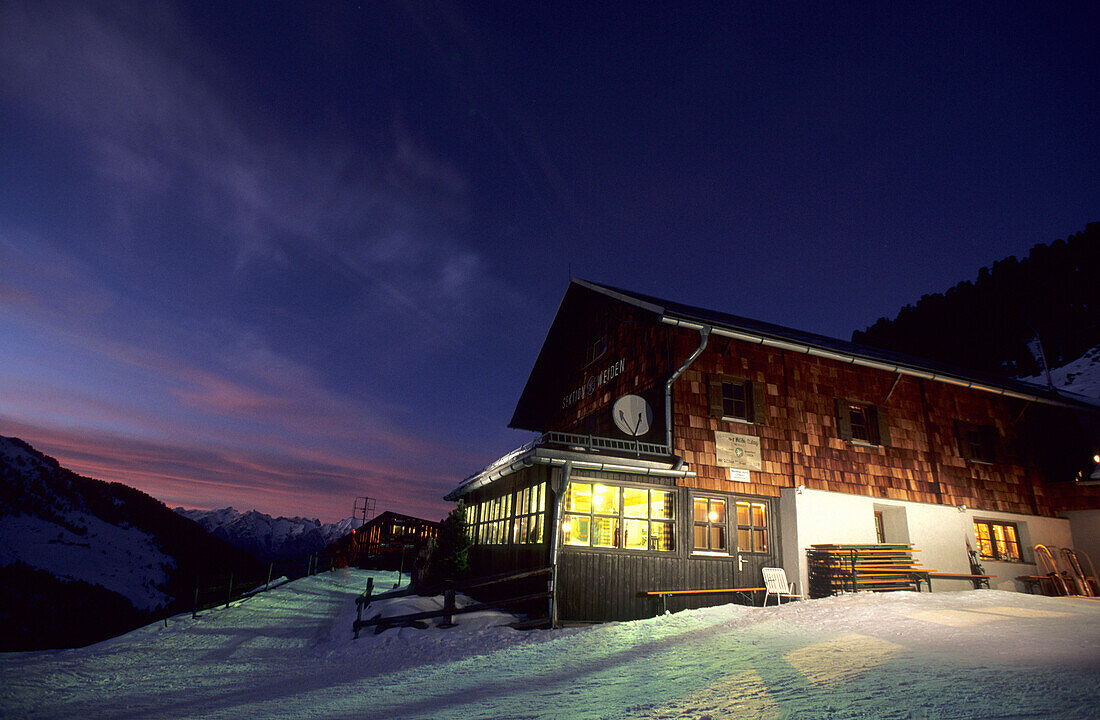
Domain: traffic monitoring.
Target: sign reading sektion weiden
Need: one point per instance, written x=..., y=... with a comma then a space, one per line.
x=737, y=451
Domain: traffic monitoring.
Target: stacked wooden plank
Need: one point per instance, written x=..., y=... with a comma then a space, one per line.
x=837, y=568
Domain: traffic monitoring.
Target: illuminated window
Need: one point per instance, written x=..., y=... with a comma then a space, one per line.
x=861, y=423
x=752, y=527
x=514, y=518
x=529, y=523
x=997, y=540
x=861, y=428
x=611, y=516
x=709, y=521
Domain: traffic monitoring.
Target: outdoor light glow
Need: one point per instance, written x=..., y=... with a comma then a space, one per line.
x=713, y=516
x=1096, y=458
x=566, y=526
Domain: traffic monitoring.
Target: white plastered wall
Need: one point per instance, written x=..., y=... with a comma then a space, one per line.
x=938, y=532
x=1085, y=525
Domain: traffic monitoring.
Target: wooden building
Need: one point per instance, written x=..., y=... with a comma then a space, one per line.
x=681, y=448
x=392, y=540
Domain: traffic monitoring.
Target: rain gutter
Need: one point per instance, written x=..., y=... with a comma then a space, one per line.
x=860, y=361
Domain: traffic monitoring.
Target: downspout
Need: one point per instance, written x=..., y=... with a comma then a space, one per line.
x=704, y=333
x=562, y=486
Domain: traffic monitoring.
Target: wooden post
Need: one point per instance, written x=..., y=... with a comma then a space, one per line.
x=229, y=595
x=361, y=602
x=270, y=567
x=195, y=605
x=448, y=607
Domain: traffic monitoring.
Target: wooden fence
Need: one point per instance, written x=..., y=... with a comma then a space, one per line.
x=449, y=609
x=222, y=590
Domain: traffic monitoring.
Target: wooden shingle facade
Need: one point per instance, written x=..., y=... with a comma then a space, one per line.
x=686, y=449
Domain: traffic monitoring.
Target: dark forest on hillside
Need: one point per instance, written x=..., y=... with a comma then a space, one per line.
x=989, y=324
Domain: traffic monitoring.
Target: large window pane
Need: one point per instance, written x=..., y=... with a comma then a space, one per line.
x=579, y=498
x=700, y=509
x=635, y=503
x=717, y=511
x=636, y=534
x=743, y=515
x=576, y=530
x=717, y=537
x=661, y=504
x=758, y=515
x=701, y=537
x=605, y=499
x=605, y=532
x=660, y=536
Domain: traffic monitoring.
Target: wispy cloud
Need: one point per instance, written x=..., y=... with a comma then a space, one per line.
x=159, y=112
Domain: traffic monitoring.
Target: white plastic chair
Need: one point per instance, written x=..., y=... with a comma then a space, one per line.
x=775, y=583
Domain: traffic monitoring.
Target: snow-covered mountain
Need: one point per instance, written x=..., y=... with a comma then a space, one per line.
x=1082, y=376
x=270, y=538
x=82, y=559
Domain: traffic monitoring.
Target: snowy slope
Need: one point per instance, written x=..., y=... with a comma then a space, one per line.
x=289, y=654
x=1082, y=376
x=267, y=537
x=64, y=536
x=81, y=559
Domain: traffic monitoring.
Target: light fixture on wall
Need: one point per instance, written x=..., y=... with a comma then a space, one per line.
x=961, y=508
x=798, y=490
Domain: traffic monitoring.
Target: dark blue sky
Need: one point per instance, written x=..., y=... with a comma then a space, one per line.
x=281, y=255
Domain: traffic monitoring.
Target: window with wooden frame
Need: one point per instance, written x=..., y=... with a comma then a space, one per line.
x=736, y=398
x=976, y=442
x=752, y=527
x=997, y=540
x=529, y=523
x=709, y=522
x=862, y=423
x=613, y=516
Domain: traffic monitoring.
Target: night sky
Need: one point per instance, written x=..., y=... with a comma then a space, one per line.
x=277, y=256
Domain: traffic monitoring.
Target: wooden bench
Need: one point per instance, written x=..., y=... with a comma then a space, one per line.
x=663, y=595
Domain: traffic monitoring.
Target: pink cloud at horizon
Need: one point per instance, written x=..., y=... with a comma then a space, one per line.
x=208, y=478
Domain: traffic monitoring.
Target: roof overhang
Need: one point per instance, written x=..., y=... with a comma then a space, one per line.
x=528, y=456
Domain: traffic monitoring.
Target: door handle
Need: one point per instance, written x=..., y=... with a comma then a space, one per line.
x=740, y=563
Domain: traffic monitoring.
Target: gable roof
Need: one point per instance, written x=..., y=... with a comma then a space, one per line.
x=759, y=332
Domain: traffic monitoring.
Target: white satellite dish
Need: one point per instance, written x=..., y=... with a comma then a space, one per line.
x=632, y=415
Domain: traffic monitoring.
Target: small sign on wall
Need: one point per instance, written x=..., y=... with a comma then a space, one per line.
x=738, y=475
x=734, y=450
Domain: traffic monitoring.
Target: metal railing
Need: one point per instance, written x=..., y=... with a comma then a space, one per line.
x=580, y=443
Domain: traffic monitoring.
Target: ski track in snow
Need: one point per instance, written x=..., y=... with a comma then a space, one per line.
x=289, y=653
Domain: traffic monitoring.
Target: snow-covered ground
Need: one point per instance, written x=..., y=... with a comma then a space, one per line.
x=289, y=653
x=1082, y=376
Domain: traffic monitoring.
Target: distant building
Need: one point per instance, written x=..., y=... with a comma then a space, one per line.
x=683, y=448
x=392, y=540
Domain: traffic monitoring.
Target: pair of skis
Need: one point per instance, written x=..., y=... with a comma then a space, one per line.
x=1070, y=576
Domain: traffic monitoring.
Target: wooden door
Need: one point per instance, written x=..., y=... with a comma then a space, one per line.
x=754, y=532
